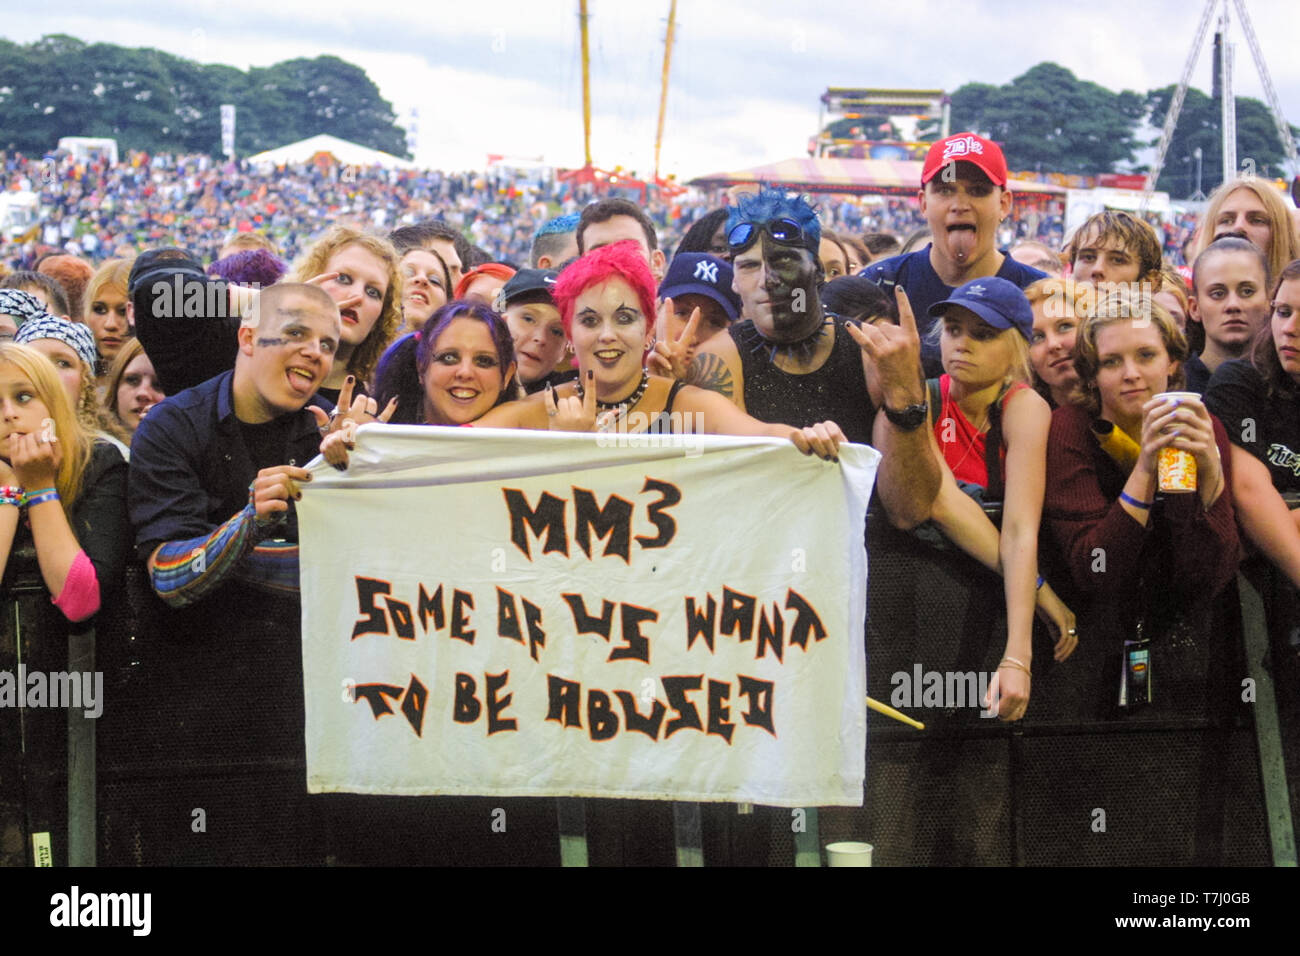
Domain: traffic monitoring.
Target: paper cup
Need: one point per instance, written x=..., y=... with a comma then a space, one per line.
x=848, y=854
x=1175, y=468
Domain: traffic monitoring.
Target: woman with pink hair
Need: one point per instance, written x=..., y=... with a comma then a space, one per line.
x=607, y=304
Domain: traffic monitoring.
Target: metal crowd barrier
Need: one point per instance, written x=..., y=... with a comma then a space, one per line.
x=198, y=757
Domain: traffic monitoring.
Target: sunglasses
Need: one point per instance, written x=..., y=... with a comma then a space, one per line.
x=784, y=231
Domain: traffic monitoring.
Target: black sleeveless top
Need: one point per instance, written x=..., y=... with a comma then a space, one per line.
x=835, y=392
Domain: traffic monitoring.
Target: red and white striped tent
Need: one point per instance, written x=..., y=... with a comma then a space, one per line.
x=894, y=177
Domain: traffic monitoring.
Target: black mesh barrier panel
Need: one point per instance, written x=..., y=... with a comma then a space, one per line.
x=201, y=755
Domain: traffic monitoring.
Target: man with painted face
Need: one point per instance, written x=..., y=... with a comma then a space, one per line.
x=788, y=361
x=214, y=468
x=964, y=198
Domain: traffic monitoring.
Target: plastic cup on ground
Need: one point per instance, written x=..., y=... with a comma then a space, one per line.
x=848, y=854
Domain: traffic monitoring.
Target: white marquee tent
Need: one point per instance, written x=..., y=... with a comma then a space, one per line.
x=350, y=154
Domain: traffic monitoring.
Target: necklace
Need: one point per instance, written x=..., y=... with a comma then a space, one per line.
x=802, y=350
x=625, y=404
x=952, y=407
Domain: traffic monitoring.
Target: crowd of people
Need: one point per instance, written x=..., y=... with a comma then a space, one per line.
x=1059, y=381
x=97, y=210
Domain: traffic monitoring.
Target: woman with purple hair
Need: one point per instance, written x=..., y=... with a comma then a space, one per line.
x=454, y=370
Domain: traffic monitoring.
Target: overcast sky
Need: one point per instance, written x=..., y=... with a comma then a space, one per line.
x=504, y=76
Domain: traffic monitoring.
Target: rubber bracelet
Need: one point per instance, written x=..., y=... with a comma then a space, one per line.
x=40, y=499
x=1129, y=499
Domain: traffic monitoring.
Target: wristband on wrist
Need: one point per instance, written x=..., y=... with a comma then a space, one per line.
x=1129, y=499
x=40, y=497
x=11, y=495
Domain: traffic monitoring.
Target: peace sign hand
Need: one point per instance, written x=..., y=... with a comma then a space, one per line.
x=672, y=358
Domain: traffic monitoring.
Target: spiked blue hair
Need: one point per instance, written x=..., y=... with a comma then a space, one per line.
x=771, y=204
x=558, y=226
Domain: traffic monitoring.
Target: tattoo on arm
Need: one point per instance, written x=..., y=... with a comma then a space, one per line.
x=711, y=372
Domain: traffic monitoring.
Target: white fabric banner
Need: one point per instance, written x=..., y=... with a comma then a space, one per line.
x=519, y=613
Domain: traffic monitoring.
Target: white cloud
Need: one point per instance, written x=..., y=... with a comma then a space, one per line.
x=502, y=76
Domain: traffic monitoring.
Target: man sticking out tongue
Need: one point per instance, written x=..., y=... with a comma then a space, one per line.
x=964, y=197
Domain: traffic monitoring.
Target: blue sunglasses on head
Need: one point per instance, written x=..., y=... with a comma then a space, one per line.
x=785, y=231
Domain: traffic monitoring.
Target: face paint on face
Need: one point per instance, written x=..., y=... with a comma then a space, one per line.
x=609, y=338
x=1286, y=327
x=21, y=411
x=107, y=318
x=778, y=285
x=538, y=336
x=1051, y=345
x=1230, y=300
x=138, y=392
x=67, y=364
x=293, y=353
x=360, y=273
x=464, y=378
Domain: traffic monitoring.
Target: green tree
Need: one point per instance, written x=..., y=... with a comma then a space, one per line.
x=1048, y=120
x=148, y=99
x=1199, y=126
x=300, y=98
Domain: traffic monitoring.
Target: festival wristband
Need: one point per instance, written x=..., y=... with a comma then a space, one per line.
x=1129, y=499
x=11, y=495
x=40, y=497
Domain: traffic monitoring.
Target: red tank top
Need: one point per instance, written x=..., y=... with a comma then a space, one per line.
x=960, y=441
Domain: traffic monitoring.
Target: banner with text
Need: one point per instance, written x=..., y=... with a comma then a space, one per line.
x=518, y=613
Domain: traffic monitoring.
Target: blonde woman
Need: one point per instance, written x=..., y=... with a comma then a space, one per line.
x=106, y=312
x=68, y=486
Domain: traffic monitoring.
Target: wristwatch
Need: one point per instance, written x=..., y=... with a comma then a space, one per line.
x=909, y=418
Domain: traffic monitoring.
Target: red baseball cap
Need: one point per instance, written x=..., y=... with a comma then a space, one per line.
x=966, y=148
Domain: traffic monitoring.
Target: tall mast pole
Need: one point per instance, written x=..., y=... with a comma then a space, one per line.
x=663, y=91
x=586, y=82
x=1228, y=106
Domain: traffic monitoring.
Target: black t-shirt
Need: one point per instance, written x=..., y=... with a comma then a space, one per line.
x=1268, y=428
x=268, y=443
x=1197, y=376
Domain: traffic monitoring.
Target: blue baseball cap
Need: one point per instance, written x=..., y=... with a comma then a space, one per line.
x=998, y=302
x=698, y=273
